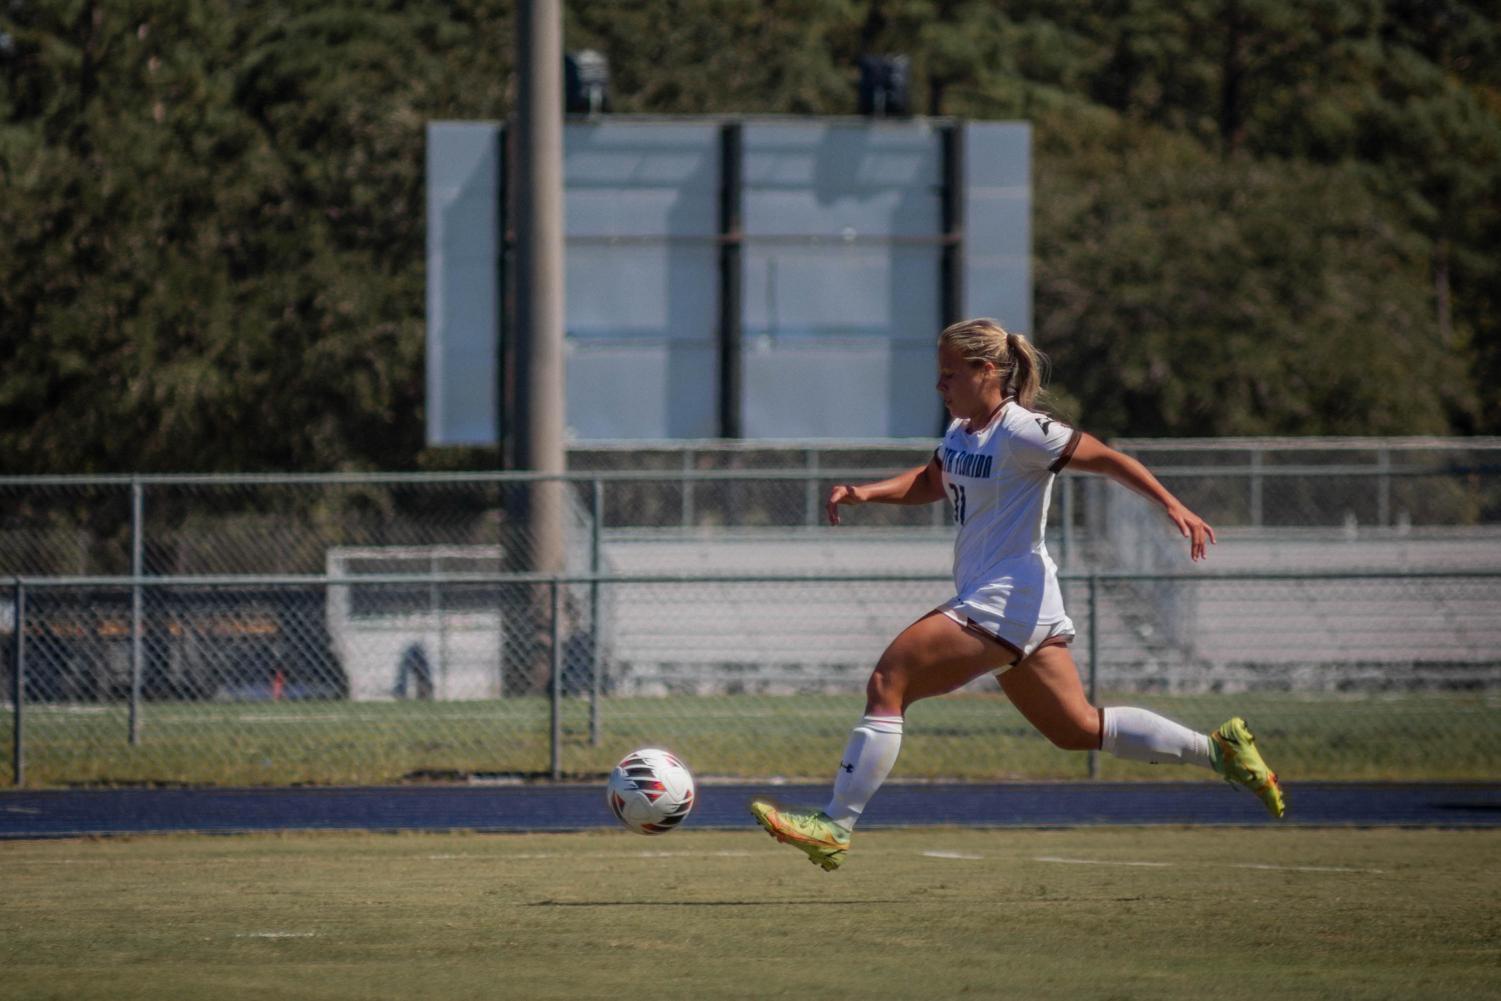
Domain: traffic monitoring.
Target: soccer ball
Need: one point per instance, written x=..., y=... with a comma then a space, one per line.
x=651, y=791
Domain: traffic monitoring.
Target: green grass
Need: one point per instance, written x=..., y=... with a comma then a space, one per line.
x=1133, y=914
x=967, y=737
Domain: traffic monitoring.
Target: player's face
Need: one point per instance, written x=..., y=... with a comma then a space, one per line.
x=966, y=388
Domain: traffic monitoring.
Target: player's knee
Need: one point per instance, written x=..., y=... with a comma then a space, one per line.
x=1074, y=735
x=886, y=691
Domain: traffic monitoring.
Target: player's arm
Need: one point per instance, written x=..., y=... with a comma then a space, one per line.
x=1094, y=456
x=919, y=485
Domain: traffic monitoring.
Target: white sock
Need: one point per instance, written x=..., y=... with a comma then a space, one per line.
x=867, y=761
x=1140, y=735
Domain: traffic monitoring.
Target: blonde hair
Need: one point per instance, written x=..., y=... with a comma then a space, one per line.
x=1020, y=364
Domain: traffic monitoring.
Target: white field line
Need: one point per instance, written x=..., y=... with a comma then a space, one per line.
x=1092, y=861
x=1230, y=865
x=552, y=855
x=441, y=857
x=954, y=855
x=1302, y=868
x=276, y=934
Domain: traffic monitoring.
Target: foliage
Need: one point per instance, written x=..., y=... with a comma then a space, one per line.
x=1182, y=292
x=1262, y=217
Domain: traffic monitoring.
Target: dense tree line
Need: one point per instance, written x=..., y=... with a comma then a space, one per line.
x=1250, y=216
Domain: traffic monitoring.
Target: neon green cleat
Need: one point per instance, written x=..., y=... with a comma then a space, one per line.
x=1234, y=754
x=823, y=841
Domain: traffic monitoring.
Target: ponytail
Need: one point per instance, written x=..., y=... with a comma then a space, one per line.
x=1019, y=364
x=1025, y=382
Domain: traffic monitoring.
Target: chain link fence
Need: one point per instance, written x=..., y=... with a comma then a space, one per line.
x=1416, y=490
x=1359, y=486
x=249, y=681
x=382, y=628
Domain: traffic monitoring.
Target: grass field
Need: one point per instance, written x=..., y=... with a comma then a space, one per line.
x=945, y=913
x=965, y=737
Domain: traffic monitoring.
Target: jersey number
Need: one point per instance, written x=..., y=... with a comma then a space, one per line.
x=958, y=492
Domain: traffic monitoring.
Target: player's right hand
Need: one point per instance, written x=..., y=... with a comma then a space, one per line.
x=842, y=494
x=1196, y=530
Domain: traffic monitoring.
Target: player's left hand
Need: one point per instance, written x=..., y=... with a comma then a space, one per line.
x=1193, y=528
x=841, y=494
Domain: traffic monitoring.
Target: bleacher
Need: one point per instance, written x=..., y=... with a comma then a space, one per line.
x=1385, y=632
x=1317, y=635
x=772, y=638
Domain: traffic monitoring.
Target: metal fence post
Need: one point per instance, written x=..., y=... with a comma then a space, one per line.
x=18, y=686
x=1094, y=661
x=597, y=511
x=810, y=490
x=1256, y=488
x=556, y=653
x=439, y=678
x=137, y=569
x=1066, y=540
x=437, y=674
x=1384, y=488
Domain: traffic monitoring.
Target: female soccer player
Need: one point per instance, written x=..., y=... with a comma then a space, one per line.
x=996, y=465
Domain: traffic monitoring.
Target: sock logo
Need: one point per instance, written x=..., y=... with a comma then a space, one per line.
x=849, y=768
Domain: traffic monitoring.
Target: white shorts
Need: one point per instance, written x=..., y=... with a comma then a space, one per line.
x=1022, y=638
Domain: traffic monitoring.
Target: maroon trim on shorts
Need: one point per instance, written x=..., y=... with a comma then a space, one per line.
x=1068, y=452
x=1050, y=641
x=980, y=630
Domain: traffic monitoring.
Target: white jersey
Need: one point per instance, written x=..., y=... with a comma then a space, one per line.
x=1000, y=480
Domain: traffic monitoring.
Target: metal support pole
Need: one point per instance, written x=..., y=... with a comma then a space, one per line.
x=18, y=690
x=435, y=623
x=731, y=367
x=951, y=211
x=137, y=569
x=597, y=511
x=1384, y=488
x=1066, y=540
x=555, y=629
x=1256, y=488
x=810, y=490
x=540, y=383
x=1094, y=661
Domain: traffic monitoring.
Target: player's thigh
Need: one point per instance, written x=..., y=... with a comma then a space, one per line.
x=932, y=656
x=1045, y=688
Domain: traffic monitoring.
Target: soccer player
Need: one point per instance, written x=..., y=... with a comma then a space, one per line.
x=996, y=464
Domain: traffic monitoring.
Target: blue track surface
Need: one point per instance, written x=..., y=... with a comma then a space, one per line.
x=62, y=813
